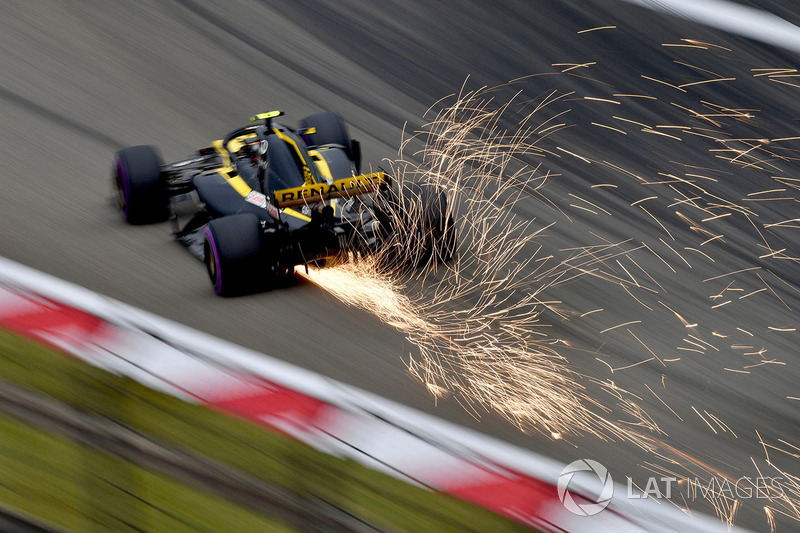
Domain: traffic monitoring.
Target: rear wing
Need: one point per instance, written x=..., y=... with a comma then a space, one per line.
x=318, y=192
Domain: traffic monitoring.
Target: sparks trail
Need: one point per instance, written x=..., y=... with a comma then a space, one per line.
x=478, y=322
x=482, y=324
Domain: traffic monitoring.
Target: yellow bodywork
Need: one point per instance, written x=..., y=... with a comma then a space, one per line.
x=361, y=184
x=309, y=194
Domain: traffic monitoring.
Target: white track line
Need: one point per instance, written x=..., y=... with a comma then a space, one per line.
x=732, y=17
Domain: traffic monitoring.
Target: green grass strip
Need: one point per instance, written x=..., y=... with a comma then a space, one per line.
x=78, y=488
x=97, y=483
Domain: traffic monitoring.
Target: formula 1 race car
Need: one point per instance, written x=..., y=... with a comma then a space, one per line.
x=268, y=197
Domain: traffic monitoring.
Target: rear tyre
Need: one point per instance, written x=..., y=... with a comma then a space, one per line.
x=140, y=187
x=439, y=225
x=416, y=227
x=234, y=255
x=331, y=129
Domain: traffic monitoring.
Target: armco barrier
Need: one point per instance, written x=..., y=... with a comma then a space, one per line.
x=326, y=414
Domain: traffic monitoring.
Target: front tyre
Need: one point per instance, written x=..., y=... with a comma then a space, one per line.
x=140, y=187
x=233, y=254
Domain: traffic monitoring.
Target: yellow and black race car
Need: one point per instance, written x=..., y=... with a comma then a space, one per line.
x=268, y=197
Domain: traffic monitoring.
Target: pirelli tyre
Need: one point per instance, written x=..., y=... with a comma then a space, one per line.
x=437, y=225
x=442, y=243
x=330, y=129
x=234, y=255
x=416, y=226
x=140, y=186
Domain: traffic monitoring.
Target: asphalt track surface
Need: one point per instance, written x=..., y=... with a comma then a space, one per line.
x=82, y=81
